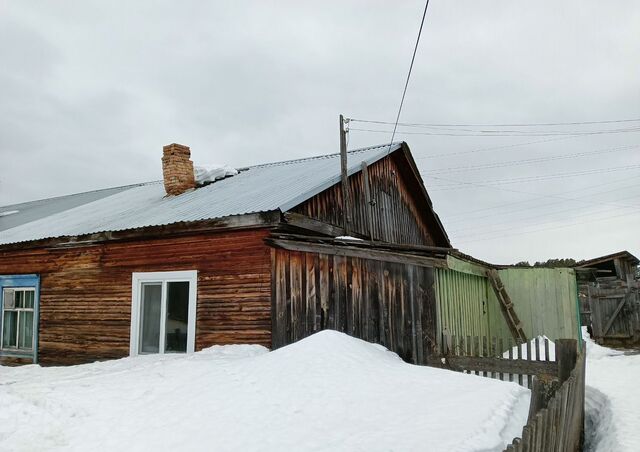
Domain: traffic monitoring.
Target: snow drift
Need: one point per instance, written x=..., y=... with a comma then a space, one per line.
x=532, y=347
x=329, y=392
x=612, y=399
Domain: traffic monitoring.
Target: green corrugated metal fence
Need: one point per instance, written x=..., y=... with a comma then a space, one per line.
x=462, y=303
x=544, y=299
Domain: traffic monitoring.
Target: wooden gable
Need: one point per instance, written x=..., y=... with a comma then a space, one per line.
x=401, y=211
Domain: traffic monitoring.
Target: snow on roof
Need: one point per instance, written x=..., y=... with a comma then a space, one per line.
x=260, y=188
x=328, y=392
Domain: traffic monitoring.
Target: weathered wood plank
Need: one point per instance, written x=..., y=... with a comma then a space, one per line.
x=399, y=205
x=368, y=201
x=85, y=291
x=311, y=224
x=514, y=366
x=354, y=251
x=614, y=316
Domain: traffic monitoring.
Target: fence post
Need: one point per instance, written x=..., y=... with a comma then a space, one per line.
x=567, y=356
x=542, y=390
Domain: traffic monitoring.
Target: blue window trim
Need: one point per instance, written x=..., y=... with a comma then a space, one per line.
x=23, y=281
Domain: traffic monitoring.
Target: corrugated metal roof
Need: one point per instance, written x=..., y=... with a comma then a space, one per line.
x=260, y=188
x=17, y=214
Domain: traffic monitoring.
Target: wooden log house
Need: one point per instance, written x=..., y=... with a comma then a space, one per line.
x=170, y=267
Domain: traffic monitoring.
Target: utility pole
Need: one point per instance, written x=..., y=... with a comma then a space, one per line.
x=346, y=196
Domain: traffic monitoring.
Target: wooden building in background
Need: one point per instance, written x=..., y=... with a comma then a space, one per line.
x=610, y=298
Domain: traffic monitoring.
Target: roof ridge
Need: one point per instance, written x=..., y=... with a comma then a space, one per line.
x=318, y=157
x=259, y=165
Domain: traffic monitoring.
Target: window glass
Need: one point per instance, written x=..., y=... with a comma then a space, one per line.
x=18, y=318
x=163, y=312
x=28, y=299
x=25, y=327
x=150, y=322
x=9, y=329
x=177, y=316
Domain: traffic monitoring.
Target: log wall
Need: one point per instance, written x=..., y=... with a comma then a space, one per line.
x=85, y=293
x=399, y=214
x=388, y=303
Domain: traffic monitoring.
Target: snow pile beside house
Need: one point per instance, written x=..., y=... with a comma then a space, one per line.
x=612, y=399
x=329, y=392
x=206, y=174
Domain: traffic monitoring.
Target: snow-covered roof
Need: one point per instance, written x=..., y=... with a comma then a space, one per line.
x=260, y=188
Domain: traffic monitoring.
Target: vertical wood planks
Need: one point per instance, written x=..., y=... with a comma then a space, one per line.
x=529, y=357
x=394, y=213
x=558, y=427
x=388, y=303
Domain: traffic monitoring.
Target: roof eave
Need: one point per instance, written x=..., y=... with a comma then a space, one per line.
x=232, y=222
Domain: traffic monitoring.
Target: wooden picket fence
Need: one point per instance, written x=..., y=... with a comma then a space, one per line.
x=498, y=358
x=556, y=424
x=556, y=412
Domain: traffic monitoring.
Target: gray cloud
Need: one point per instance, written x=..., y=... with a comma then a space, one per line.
x=90, y=91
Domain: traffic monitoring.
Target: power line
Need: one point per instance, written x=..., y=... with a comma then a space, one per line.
x=548, y=229
x=528, y=161
x=495, y=148
x=538, y=178
x=512, y=211
x=475, y=184
x=478, y=230
x=481, y=133
x=409, y=124
x=542, y=196
x=537, y=223
x=406, y=84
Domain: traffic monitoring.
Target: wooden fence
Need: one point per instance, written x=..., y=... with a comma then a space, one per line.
x=499, y=358
x=556, y=377
x=556, y=424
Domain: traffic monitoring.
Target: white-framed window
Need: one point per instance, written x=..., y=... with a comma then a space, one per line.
x=163, y=312
x=17, y=327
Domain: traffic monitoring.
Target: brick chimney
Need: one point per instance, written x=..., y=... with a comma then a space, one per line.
x=177, y=169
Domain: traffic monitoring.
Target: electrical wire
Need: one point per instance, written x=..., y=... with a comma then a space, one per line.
x=455, y=169
x=481, y=133
x=538, y=124
x=512, y=211
x=542, y=196
x=406, y=84
x=538, y=178
x=479, y=230
x=501, y=236
x=475, y=184
x=495, y=148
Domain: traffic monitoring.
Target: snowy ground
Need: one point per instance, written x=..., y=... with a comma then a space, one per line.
x=328, y=392
x=612, y=399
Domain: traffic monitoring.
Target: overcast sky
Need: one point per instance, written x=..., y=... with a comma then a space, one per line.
x=90, y=91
